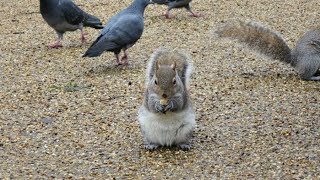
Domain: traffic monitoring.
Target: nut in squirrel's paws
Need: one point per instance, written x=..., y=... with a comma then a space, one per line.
x=164, y=102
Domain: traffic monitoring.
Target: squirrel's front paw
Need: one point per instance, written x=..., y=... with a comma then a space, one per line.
x=160, y=108
x=170, y=107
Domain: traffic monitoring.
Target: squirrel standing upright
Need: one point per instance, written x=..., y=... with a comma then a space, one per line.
x=305, y=57
x=166, y=116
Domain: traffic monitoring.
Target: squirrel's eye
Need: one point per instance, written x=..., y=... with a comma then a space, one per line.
x=155, y=82
x=174, y=81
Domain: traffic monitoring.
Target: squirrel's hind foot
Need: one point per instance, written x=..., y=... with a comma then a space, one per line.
x=185, y=147
x=151, y=146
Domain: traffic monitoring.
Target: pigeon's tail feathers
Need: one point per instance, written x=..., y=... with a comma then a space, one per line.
x=93, y=50
x=93, y=22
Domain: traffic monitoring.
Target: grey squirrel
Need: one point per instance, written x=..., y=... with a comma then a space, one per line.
x=166, y=116
x=305, y=57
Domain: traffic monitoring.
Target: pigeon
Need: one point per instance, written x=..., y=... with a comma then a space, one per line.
x=177, y=4
x=121, y=32
x=64, y=15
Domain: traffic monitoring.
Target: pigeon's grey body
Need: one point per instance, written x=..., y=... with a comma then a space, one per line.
x=121, y=32
x=176, y=4
x=64, y=15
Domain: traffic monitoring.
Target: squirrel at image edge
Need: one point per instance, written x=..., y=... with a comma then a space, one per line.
x=305, y=57
x=167, y=117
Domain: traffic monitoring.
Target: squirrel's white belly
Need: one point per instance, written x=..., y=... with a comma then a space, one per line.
x=167, y=129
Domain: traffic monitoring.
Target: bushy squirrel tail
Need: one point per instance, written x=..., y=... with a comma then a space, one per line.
x=167, y=57
x=257, y=37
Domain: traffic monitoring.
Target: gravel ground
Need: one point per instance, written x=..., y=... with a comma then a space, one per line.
x=64, y=116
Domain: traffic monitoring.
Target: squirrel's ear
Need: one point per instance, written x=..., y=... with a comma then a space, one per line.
x=173, y=66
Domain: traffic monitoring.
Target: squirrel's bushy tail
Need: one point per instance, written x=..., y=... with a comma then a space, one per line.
x=258, y=38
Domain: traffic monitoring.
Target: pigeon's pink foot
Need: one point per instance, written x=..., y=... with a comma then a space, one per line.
x=168, y=16
x=193, y=14
x=117, y=59
x=55, y=45
x=83, y=39
x=124, y=61
x=122, y=64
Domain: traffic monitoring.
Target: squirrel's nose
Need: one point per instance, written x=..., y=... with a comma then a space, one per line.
x=164, y=95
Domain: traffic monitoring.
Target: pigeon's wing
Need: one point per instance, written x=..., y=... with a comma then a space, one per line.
x=128, y=29
x=114, y=19
x=71, y=12
x=162, y=1
x=122, y=33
